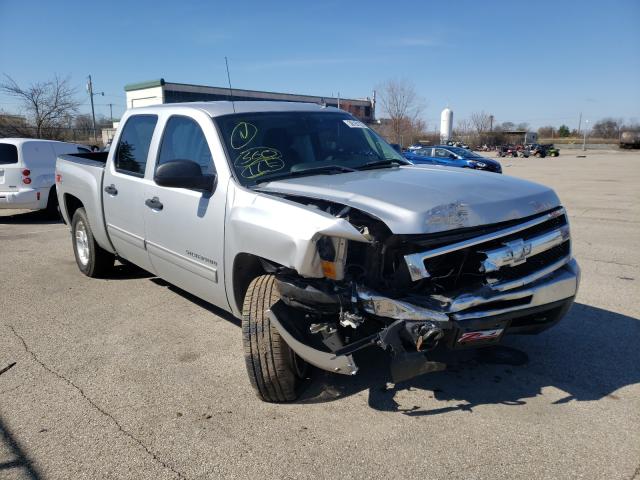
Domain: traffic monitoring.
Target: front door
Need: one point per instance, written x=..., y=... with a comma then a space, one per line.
x=185, y=228
x=123, y=190
x=442, y=156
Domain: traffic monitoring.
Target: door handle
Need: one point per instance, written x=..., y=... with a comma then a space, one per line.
x=111, y=189
x=154, y=203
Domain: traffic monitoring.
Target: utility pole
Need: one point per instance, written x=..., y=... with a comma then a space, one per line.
x=491, y=124
x=111, y=112
x=93, y=112
x=579, y=123
x=584, y=138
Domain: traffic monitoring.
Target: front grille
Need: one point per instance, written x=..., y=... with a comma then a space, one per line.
x=463, y=268
x=533, y=264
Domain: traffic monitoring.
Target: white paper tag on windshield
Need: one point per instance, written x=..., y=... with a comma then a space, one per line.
x=354, y=124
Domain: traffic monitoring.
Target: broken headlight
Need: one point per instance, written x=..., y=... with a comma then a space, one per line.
x=333, y=255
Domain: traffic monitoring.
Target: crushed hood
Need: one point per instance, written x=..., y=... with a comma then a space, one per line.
x=426, y=199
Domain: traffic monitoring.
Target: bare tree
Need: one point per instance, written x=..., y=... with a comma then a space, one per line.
x=546, y=131
x=403, y=106
x=504, y=127
x=46, y=105
x=464, y=127
x=606, y=128
x=481, y=122
x=83, y=124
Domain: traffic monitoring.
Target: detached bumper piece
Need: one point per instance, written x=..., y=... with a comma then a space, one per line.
x=331, y=362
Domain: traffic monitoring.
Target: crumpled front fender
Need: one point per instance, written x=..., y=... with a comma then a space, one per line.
x=279, y=230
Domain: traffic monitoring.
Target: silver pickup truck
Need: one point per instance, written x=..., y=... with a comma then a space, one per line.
x=319, y=236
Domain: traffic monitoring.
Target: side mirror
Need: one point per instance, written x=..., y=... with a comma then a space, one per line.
x=452, y=156
x=184, y=174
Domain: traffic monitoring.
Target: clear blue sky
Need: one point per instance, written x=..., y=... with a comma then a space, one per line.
x=540, y=62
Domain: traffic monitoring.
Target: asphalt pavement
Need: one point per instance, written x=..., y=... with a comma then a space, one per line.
x=130, y=377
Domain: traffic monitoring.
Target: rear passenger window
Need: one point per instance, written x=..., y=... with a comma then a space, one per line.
x=183, y=139
x=8, y=154
x=133, y=146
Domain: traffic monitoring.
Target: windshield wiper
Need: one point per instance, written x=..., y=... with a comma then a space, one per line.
x=387, y=162
x=309, y=171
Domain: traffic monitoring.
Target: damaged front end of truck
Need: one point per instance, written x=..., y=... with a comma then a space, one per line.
x=462, y=287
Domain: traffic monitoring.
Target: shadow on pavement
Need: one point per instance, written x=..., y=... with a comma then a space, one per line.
x=20, y=461
x=128, y=271
x=590, y=354
x=39, y=217
x=201, y=303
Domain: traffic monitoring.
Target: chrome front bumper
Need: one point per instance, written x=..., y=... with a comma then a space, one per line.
x=457, y=315
x=560, y=284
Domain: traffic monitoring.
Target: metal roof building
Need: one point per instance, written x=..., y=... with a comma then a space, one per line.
x=159, y=91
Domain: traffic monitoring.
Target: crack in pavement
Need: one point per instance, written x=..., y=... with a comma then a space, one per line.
x=96, y=406
x=611, y=262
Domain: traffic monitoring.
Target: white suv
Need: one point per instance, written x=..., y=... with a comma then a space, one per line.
x=27, y=170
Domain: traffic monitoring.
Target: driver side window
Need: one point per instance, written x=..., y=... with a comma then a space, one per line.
x=183, y=139
x=442, y=153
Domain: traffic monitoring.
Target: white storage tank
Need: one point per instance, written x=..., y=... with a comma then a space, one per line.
x=446, y=125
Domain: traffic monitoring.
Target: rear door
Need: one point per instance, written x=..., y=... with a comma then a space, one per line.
x=185, y=230
x=123, y=189
x=10, y=176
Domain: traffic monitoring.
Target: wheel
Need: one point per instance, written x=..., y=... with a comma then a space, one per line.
x=52, y=209
x=275, y=371
x=92, y=259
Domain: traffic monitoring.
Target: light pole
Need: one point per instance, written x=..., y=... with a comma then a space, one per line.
x=93, y=112
x=584, y=138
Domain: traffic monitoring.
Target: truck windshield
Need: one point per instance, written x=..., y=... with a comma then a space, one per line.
x=8, y=154
x=264, y=146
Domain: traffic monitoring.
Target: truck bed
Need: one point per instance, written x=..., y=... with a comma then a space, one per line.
x=79, y=180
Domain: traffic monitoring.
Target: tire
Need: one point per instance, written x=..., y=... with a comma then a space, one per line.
x=52, y=210
x=276, y=373
x=92, y=259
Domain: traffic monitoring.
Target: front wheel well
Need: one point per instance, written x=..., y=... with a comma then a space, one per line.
x=246, y=267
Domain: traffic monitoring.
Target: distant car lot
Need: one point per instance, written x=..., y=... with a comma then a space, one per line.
x=151, y=385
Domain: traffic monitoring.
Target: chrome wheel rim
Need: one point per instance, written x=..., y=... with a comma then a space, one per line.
x=82, y=243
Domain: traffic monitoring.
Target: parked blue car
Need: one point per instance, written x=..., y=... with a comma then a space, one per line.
x=452, y=157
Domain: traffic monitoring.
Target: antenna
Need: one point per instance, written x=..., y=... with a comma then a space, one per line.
x=226, y=62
